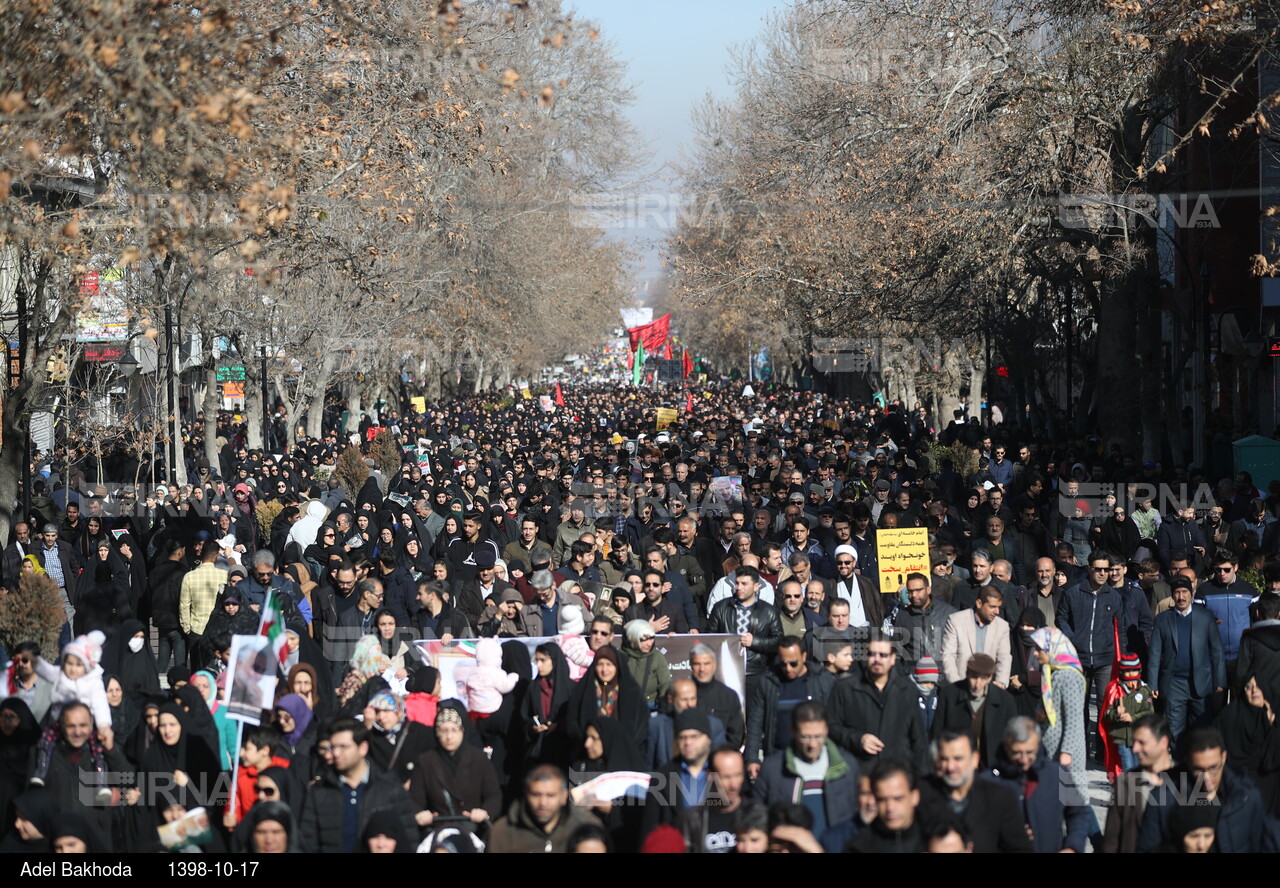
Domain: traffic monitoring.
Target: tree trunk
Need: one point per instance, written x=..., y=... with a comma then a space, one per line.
x=353, y=410
x=212, y=403
x=292, y=410
x=315, y=402
x=977, y=380
x=253, y=407
x=178, y=471
x=18, y=400
x=1118, y=398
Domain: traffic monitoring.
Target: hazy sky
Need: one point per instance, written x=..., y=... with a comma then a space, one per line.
x=677, y=52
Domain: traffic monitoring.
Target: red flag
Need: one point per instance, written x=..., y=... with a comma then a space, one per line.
x=686, y=361
x=1115, y=690
x=688, y=403
x=652, y=334
x=631, y=359
x=559, y=396
x=666, y=352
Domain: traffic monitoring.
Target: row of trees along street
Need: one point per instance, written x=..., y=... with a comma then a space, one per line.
x=955, y=172
x=345, y=189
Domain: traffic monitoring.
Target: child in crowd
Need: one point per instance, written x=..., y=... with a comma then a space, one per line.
x=1133, y=705
x=77, y=679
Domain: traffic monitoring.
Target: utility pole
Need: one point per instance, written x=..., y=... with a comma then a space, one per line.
x=266, y=417
x=21, y=294
x=174, y=425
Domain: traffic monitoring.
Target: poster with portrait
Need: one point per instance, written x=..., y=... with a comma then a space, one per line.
x=252, y=682
x=456, y=659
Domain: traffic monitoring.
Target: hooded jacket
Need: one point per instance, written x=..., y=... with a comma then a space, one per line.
x=1239, y=821
x=1260, y=652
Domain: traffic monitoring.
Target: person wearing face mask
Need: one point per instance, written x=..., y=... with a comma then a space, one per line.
x=127, y=657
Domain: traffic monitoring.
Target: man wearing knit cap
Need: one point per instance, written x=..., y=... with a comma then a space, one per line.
x=925, y=677
x=682, y=782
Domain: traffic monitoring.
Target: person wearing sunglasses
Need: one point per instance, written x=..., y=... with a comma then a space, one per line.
x=21, y=680
x=1085, y=616
x=1227, y=597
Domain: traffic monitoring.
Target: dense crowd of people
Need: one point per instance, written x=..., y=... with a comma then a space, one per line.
x=1063, y=619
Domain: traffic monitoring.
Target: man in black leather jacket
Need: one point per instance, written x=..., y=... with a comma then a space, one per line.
x=755, y=622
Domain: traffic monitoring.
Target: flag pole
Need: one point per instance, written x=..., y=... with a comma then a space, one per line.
x=235, y=766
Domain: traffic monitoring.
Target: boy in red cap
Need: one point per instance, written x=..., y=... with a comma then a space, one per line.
x=1135, y=703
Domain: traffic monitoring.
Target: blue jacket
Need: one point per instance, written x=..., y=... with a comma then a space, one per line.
x=1141, y=621
x=1240, y=822
x=400, y=596
x=1230, y=608
x=1208, y=668
x=1054, y=824
x=1086, y=618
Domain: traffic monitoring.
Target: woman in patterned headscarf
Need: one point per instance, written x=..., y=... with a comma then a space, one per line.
x=1062, y=692
x=364, y=676
x=455, y=779
x=395, y=742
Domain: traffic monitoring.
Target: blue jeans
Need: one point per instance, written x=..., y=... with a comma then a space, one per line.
x=1127, y=758
x=172, y=642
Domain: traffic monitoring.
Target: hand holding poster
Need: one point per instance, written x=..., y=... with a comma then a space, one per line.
x=901, y=551
x=666, y=416
x=253, y=678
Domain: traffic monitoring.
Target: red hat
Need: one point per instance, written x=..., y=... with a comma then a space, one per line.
x=664, y=839
x=1130, y=666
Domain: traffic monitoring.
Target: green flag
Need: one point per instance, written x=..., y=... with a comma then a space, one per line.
x=637, y=370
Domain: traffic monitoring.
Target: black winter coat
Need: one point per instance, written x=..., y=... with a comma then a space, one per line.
x=320, y=822
x=856, y=707
x=762, y=714
x=954, y=714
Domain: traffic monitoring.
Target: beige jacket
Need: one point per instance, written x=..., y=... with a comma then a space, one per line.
x=959, y=643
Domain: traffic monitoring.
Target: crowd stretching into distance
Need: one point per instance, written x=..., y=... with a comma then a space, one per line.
x=571, y=630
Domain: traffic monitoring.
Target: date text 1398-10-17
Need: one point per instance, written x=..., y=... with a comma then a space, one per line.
x=200, y=868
